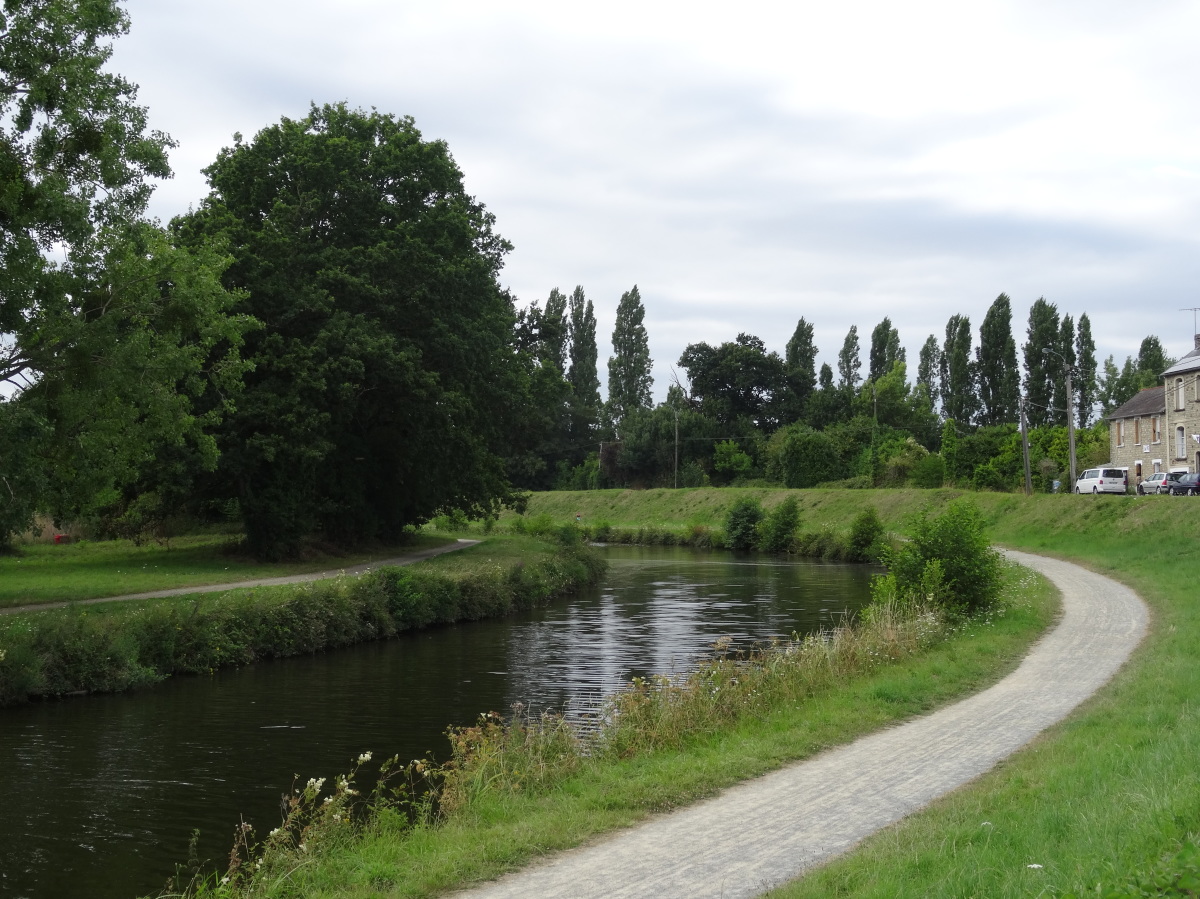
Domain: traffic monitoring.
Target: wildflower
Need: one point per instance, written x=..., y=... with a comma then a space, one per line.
x=315, y=784
x=1033, y=866
x=225, y=879
x=303, y=847
x=363, y=757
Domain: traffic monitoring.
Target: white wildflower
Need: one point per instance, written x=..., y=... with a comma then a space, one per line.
x=363, y=757
x=1033, y=866
x=315, y=784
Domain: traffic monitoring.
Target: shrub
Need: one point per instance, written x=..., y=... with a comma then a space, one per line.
x=866, y=537
x=741, y=524
x=951, y=555
x=929, y=472
x=779, y=527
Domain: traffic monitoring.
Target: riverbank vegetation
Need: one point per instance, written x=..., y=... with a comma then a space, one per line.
x=518, y=787
x=110, y=647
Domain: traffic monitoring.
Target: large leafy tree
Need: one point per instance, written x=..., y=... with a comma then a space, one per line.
x=999, y=378
x=1085, y=360
x=885, y=349
x=737, y=380
x=800, y=369
x=384, y=378
x=629, y=379
x=929, y=365
x=583, y=375
x=1039, y=366
x=119, y=354
x=957, y=371
x=850, y=361
x=1064, y=346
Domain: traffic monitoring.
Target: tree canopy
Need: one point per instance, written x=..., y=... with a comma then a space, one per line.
x=383, y=367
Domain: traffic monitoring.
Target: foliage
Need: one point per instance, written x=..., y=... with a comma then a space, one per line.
x=866, y=541
x=384, y=387
x=776, y=530
x=999, y=379
x=958, y=373
x=730, y=460
x=953, y=549
x=741, y=524
x=928, y=472
x=1039, y=368
x=800, y=372
x=1086, y=384
x=798, y=456
x=737, y=380
x=584, y=402
x=629, y=367
x=849, y=361
x=886, y=350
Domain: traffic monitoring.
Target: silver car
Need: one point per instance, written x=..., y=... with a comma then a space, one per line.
x=1159, y=482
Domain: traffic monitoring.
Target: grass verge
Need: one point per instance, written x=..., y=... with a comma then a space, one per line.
x=45, y=572
x=515, y=792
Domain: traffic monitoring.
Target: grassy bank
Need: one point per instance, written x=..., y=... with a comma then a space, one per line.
x=116, y=646
x=1101, y=800
x=46, y=572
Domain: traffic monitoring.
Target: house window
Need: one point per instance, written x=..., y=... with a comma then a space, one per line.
x=1137, y=430
x=1180, y=444
x=1156, y=429
x=1179, y=393
x=1120, y=433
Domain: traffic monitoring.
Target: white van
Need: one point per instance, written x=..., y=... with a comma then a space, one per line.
x=1103, y=480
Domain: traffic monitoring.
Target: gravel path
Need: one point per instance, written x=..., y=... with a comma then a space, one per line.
x=353, y=571
x=801, y=816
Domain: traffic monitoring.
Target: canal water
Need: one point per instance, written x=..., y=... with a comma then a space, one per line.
x=102, y=792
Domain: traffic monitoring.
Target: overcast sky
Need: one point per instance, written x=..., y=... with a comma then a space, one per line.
x=749, y=165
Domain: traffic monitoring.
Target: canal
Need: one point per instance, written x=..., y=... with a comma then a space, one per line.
x=103, y=792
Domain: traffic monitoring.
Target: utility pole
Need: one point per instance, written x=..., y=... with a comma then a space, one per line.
x=1071, y=425
x=1025, y=449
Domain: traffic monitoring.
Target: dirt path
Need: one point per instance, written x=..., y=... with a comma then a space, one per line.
x=801, y=816
x=353, y=571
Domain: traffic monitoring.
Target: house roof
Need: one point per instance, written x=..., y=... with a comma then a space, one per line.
x=1147, y=401
x=1190, y=362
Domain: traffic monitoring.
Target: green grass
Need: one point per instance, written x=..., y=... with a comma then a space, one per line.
x=502, y=830
x=43, y=572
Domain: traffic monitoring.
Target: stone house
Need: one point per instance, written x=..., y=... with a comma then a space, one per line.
x=1135, y=435
x=1181, y=387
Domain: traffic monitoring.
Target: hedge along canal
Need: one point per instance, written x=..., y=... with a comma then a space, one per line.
x=109, y=787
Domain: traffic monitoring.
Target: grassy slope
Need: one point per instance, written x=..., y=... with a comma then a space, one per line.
x=1107, y=792
x=43, y=572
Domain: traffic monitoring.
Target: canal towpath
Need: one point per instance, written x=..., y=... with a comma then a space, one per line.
x=801, y=816
x=353, y=571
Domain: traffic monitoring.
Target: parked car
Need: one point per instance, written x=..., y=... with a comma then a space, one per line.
x=1187, y=485
x=1159, y=482
x=1102, y=480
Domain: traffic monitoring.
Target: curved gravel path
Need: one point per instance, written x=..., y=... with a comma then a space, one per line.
x=353, y=571
x=801, y=816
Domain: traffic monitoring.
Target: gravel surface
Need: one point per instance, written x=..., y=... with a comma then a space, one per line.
x=801, y=816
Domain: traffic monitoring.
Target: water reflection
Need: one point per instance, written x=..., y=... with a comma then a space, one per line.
x=103, y=792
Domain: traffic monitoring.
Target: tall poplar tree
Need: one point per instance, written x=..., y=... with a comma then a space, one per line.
x=554, y=330
x=1065, y=347
x=800, y=361
x=629, y=378
x=583, y=375
x=849, y=361
x=928, y=366
x=1085, y=355
x=1039, y=366
x=885, y=349
x=999, y=379
x=957, y=372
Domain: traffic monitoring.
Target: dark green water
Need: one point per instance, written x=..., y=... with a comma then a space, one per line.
x=102, y=792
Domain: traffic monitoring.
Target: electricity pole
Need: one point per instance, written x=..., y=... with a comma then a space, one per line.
x=1025, y=449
